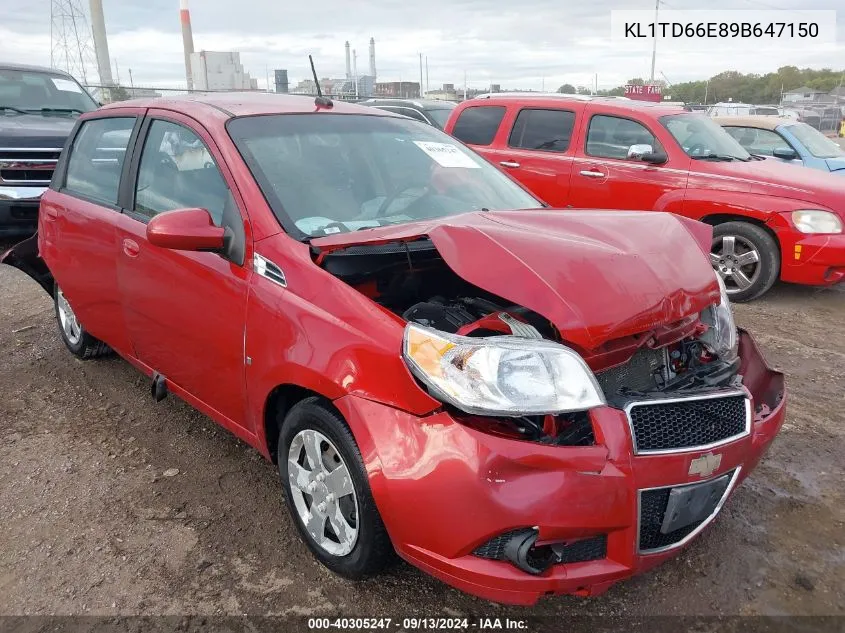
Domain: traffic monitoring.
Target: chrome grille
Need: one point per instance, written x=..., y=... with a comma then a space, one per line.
x=692, y=423
x=28, y=166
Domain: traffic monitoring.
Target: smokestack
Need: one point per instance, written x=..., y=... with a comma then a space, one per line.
x=187, y=40
x=372, y=57
x=101, y=44
x=348, y=63
x=355, y=71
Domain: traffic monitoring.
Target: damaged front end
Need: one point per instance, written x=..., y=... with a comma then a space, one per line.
x=24, y=256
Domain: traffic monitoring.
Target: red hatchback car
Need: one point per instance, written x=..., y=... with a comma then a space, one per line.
x=518, y=401
x=770, y=221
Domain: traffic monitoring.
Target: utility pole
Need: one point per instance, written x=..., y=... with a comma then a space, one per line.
x=421, y=74
x=426, y=74
x=465, y=85
x=654, y=48
x=131, y=83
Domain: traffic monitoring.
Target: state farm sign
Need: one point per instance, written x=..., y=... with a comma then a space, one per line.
x=644, y=93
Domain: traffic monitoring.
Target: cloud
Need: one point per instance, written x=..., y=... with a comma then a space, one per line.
x=520, y=44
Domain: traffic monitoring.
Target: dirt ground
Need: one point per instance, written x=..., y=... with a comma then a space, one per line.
x=90, y=523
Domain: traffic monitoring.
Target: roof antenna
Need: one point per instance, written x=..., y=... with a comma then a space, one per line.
x=320, y=101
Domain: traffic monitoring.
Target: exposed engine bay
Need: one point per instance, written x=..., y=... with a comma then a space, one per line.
x=413, y=282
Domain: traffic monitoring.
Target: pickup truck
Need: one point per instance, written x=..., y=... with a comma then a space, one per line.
x=38, y=109
x=770, y=220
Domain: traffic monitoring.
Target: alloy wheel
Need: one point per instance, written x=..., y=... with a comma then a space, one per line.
x=737, y=261
x=67, y=319
x=322, y=492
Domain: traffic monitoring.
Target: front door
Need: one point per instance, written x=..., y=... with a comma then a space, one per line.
x=603, y=177
x=185, y=311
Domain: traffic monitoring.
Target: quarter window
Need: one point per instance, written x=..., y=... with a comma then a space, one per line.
x=96, y=158
x=611, y=137
x=548, y=130
x=177, y=171
x=478, y=125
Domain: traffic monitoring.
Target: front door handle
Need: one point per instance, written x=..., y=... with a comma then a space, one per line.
x=50, y=212
x=509, y=163
x=592, y=173
x=131, y=248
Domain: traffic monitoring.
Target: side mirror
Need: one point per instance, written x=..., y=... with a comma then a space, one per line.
x=636, y=152
x=786, y=153
x=186, y=230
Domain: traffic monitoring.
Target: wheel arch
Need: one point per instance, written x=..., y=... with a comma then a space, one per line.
x=715, y=219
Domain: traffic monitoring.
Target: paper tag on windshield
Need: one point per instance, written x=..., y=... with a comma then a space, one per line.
x=65, y=84
x=447, y=155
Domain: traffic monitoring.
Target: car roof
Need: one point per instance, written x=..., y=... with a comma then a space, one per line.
x=235, y=104
x=31, y=68
x=424, y=104
x=761, y=122
x=558, y=100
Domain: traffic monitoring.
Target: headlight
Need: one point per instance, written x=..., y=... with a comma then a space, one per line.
x=500, y=375
x=722, y=335
x=816, y=221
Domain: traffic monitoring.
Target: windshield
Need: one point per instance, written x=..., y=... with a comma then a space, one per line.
x=702, y=138
x=332, y=173
x=439, y=116
x=816, y=143
x=34, y=91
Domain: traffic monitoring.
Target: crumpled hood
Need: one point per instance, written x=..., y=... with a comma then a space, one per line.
x=35, y=130
x=597, y=275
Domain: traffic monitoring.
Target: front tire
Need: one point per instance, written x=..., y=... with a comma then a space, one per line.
x=328, y=494
x=747, y=258
x=76, y=339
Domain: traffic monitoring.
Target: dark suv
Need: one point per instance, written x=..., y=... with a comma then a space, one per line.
x=38, y=109
x=429, y=111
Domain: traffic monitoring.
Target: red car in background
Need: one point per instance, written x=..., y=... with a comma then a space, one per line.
x=770, y=221
x=518, y=401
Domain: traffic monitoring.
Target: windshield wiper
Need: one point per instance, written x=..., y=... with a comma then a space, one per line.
x=63, y=110
x=722, y=157
x=13, y=109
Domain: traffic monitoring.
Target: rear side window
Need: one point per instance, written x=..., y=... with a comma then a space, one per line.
x=611, y=137
x=96, y=158
x=548, y=130
x=478, y=125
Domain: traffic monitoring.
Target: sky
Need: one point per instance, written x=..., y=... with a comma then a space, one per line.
x=521, y=44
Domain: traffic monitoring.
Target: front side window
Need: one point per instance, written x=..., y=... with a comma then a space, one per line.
x=47, y=93
x=439, y=115
x=702, y=138
x=547, y=130
x=612, y=137
x=756, y=141
x=177, y=172
x=331, y=173
x=96, y=158
x=478, y=125
x=816, y=143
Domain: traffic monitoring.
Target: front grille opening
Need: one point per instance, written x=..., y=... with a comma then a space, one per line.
x=518, y=547
x=27, y=212
x=688, y=423
x=26, y=175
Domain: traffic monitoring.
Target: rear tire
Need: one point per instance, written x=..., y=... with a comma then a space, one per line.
x=76, y=339
x=747, y=258
x=351, y=540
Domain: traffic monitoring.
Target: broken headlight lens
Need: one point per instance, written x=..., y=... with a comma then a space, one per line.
x=500, y=375
x=721, y=335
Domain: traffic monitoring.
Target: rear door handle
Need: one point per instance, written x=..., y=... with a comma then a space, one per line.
x=50, y=212
x=509, y=163
x=131, y=248
x=592, y=173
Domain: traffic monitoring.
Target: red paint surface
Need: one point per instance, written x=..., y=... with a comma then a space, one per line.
x=765, y=191
x=196, y=318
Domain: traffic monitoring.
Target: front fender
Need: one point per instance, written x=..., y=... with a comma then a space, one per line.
x=24, y=256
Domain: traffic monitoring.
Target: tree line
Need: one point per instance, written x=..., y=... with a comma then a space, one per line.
x=746, y=88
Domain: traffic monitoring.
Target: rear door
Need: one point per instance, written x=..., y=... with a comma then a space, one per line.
x=603, y=177
x=79, y=217
x=539, y=151
x=185, y=311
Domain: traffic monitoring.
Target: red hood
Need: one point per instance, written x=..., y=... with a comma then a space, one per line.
x=774, y=178
x=597, y=275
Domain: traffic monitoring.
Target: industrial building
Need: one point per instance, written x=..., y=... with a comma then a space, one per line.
x=280, y=77
x=212, y=70
x=398, y=89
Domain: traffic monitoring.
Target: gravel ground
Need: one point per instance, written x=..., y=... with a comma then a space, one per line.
x=112, y=504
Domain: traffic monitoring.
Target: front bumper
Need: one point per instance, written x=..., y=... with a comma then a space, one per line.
x=19, y=210
x=816, y=260
x=443, y=489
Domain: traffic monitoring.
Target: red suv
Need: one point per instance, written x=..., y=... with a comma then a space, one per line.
x=516, y=400
x=769, y=220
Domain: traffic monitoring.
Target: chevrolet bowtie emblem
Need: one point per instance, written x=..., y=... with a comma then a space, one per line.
x=705, y=465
